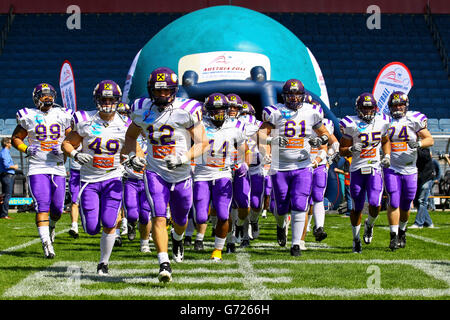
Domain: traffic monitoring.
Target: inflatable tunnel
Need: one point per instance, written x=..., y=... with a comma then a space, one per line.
x=231, y=49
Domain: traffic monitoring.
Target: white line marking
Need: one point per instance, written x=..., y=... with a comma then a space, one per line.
x=29, y=243
x=415, y=236
x=251, y=281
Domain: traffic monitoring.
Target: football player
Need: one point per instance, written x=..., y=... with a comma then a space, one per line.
x=74, y=189
x=46, y=126
x=407, y=132
x=213, y=170
x=291, y=125
x=101, y=133
x=363, y=138
x=168, y=123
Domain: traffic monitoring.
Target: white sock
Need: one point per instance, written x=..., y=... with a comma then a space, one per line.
x=254, y=215
x=319, y=214
x=403, y=225
x=200, y=236
x=219, y=243
x=118, y=233
x=355, y=231
x=106, y=246
x=177, y=236
x=75, y=225
x=371, y=220
x=145, y=242
x=297, y=224
x=281, y=221
x=44, y=234
x=124, y=222
x=163, y=257
x=394, y=229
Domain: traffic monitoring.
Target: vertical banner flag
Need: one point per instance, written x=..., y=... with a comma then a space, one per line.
x=129, y=80
x=394, y=76
x=67, y=86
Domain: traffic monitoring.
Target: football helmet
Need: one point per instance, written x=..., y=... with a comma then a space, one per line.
x=44, y=95
x=216, y=108
x=293, y=94
x=235, y=105
x=398, y=104
x=366, y=107
x=107, y=95
x=162, y=86
x=123, y=108
x=247, y=108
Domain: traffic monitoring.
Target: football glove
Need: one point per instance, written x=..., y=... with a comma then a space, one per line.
x=173, y=161
x=82, y=158
x=304, y=155
x=242, y=170
x=31, y=150
x=386, y=161
x=356, y=148
x=278, y=140
x=414, y=144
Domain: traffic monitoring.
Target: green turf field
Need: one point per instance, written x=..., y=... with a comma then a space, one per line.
x=265, y=271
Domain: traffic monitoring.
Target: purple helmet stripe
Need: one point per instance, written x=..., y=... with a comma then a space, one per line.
x=266, y=109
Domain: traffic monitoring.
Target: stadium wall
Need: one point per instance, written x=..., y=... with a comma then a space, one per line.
x=310, y=6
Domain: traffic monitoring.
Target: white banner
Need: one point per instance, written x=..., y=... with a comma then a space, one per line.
x=320, y=79
x=129, y=80
x=394, y=76
x=223, y=65
x=67, y=86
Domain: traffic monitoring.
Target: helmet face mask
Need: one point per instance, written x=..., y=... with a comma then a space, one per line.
x=398, y=104
x=162, y=86
x=107, y=95
x=123, y=108
x=216, y=108
x=235, y=105
x=366, y=107
x=293, y=94
x=247, y=109
x=44, y=96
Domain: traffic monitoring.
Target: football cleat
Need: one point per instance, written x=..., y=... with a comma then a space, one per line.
x=357, y=246
x=118, y=241
x=187, y=241
x=401, y=238
x=264, y=214
x=281, y=236
x=49, y=252
x=295, y=250
x=52, y=233
x=319, y=234
x=102, y=269
x=131, y=234
x=73, y=233
x=231, y=248
x=245, y=243
x=145, y=249
x=165, y=272
x=198, y=245
x=255, y=230
x=393, y=244
x=368, y=233
x=177, y=250
x=216, y=255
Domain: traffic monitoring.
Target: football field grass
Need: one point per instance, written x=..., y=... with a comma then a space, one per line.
x=264, y=271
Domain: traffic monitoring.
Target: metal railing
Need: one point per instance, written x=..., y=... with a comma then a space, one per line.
x=6, y=28
x=437, y=39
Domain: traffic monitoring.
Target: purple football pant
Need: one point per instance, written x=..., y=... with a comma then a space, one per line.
x=74, y=185
x=362, y=184
x=267, y=185
x=219, y=192
x=292, y=190
x=100, y=203
x=135, y=201
x=241, y=191
x=400, y=188
x=161, y=193
x=48, y=192
x=319, y=184
x=256, y=191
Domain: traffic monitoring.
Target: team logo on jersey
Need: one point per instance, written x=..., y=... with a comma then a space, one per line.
x=148, y=116
x=287, y=113
x=39, y=118
x=96, y=129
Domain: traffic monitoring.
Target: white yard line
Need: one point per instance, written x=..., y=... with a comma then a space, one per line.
x=29, y=243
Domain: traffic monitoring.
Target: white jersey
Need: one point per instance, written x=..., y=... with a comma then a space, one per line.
x=103, y=141
x=224, y=142
x=251, y=128
x=128, y=171
x=45, y=130
x=403, y=158
x=166, y=133
x=352, y=127
x=330, y=128
x=297, y=127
